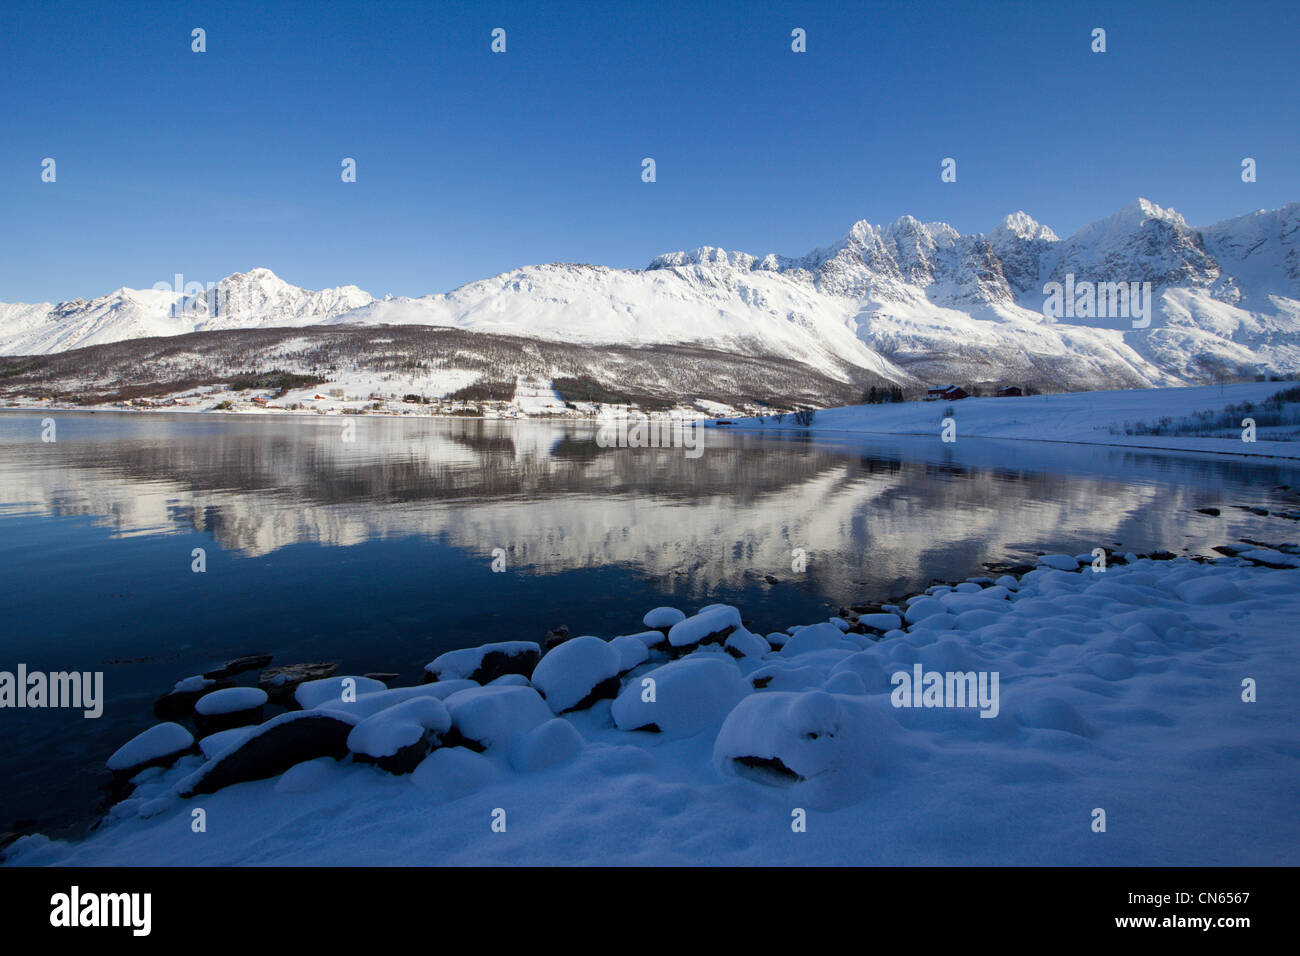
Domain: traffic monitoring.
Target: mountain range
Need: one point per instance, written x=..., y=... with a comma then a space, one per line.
x=911, y=303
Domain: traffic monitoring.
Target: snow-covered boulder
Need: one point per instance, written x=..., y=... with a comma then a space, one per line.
x=272, y=748
x=578, y=673
x=818, y=637
x=682, y=698
x=713, y=625
x=881, y=621
x=742, y=643
x=632, y=652
x=160, y=744
x=312, y=693
x=650, y=638
x=547, y=745
x=231, y=707
x=179, y=702
x=486, y=662
x=826, y=745
x=1061, y=562
x=399, y=737
x=213, y=745
x=372, y=703
x=485, y=718
x=662, y=618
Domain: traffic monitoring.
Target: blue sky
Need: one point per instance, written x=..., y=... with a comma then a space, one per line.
x=470, y=163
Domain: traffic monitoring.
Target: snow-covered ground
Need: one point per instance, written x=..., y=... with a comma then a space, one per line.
x=1157, y=692
x=1085, y=417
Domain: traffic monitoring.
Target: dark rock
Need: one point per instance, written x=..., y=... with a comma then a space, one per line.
x=272, y=749
x=239, y=665
x=404, y=761
x=280, y=682
x=771, y=579
x=1212, y=512
x=556, y=636
x=606, y=689
x=386, y=677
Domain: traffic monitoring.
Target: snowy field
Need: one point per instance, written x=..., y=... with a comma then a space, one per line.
x=1088, y=417
x=1159, y=692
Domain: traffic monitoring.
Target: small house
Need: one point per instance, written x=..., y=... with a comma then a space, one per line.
x=949, y=393
x=1010, y=391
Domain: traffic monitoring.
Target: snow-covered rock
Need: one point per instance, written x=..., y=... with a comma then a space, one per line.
x=160, y=743
x=662, y=618
x=632, y=651
x=711, y=626
x=826, y=744
x=397, y=738
x=232, y=700
x=272, y=748
x=683, y=697
x=492, y=717
x=577, y=673
x=312, y=693
x=486, y=662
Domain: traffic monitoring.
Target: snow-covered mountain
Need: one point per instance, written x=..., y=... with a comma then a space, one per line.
x=917, y=303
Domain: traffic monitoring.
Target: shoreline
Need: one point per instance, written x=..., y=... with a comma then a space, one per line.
x=868, y=637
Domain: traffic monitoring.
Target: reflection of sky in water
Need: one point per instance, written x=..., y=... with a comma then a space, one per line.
x=376, y=554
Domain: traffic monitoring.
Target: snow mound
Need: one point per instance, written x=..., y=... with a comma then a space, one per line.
x=157, y=743
x=491, y=717
x=486, y=662
x=311, y=693
x=403, y=725
x=826, y=745
x=632, y=651
x=662, y=617
x=450, y=773
x=818, y=637
x=712, y=625
x=547, y=745
x=232, y=700
x=577, y=673
x=681, y=698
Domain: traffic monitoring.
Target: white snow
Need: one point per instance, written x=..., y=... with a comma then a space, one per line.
x=546, y=745
x=462, y=663
x=1129, y=690
x=711, y=620
x=662, y=617
x=311, y=693
x=570, y=671
x=497, y=716
x=160, y=740
x=384, y=733
x=230, y=700
x=689, y=695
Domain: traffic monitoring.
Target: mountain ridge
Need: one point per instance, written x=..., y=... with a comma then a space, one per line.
x=909, y=301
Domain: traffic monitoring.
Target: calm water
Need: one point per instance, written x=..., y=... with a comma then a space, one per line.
x=377, y=553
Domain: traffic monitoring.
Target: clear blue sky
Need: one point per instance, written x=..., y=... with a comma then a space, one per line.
x=471, y=163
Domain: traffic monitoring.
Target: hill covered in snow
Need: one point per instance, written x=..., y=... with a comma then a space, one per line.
x=911, y=303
